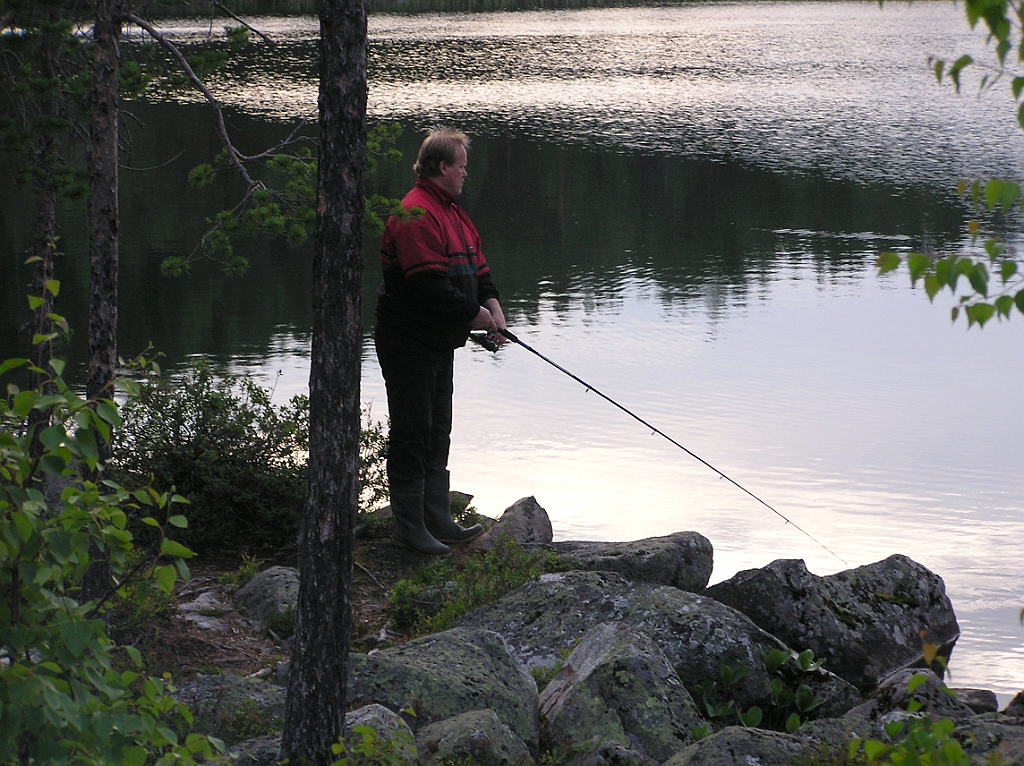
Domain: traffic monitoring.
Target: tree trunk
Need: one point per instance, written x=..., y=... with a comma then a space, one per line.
x=103, y=208
x=103, y=241
x=315, y=712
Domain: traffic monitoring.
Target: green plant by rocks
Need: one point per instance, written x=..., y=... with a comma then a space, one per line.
x=248, y=569
x=62, y=698
x=792, y=700
x=433, y=598
x=916, y=740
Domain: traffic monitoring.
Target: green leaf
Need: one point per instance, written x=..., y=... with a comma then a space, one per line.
x=1004, y=305
x=134, y=756
x=887, y=262
x=58, y=366
x=1010, y=195
x=1006, y=270
x=874, y=748
x=993, y=191
x=915, y=682
x=176, y=549
x=11, y=364
x=932, y=286
x=793, y=722
x=165, y=577
x=34, y=302
x=76, y=635
x=956, y=68
x=23, y=403
x=980, y=313
x=149, y=521
x=178, y=521
x=52, y=286
x=893, y=728
x=1016, y=86
x=978, y=278
x=918, y=265
x=1018, y=301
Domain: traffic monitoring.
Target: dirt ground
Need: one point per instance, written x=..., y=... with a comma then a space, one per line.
x=202, y=632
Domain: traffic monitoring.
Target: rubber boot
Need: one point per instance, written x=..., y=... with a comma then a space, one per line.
x=437, y=512
x=409, y=529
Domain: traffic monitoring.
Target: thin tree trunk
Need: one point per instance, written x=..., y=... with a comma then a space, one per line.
x=103, y=208
x=315, y=712
x=43, y=248
x=103, y=241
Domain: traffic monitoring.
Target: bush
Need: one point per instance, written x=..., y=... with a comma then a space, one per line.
x=225, y=447
x=239, y=460
x=63, y=699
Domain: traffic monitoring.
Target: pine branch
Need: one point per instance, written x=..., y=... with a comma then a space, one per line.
x=229, y=12
x=237, y=159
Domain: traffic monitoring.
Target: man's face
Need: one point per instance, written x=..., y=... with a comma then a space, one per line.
x=453, y=176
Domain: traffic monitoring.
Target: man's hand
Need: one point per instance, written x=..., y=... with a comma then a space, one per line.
x=484, y=321
x=491, y=305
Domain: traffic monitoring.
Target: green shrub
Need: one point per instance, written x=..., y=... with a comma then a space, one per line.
x=433, y=598
x=240, y=461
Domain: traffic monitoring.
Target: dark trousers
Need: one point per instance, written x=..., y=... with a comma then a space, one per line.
x=419, y=386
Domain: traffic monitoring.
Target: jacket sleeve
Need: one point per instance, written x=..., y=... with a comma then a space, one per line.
x=433, y=293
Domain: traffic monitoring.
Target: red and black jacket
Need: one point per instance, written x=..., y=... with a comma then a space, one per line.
x=435, y=276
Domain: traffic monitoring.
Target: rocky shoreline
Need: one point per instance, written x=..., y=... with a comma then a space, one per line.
x=641, y=663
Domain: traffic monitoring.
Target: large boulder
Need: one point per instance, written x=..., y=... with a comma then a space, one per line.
x=737, y=746
x=271, y=594
x=233, y=708
x=525, y=521
x=617, y=685
x=866, y=622
x=683, y=560
x=446, y=674
x=392, y=733
x=697, y=634
x=477, y=737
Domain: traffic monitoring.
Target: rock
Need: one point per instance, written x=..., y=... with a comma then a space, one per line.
x=393, y=733
x=866, y=622
x=262, y=751
x=270, y=594
x=477, y=737
x=737, y=746
x=446, y=674
x=233, y=708
x=1016, y=707
x=618, y=685
x=390, y=728
x=204, y=611
x=609, y=754
x=978, y=700
x=683, y=560
x=991, y=738
x=524, y=521
x=893, y=695
x=697, y=634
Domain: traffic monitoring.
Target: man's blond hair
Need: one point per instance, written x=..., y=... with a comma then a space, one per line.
x=439, y=146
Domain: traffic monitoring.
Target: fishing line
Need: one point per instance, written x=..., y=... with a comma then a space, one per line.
x=491, y=346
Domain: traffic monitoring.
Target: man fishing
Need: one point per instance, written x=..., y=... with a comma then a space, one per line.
x=437, y=288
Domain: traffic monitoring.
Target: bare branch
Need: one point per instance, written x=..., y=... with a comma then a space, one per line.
x=222, y=130
x=154, y=167
x=241, y=21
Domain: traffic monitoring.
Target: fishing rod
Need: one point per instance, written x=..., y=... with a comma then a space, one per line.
x=490, y=345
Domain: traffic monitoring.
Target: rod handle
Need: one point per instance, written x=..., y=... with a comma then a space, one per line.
x=482, y=340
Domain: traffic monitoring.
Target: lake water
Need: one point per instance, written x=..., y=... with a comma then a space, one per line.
x=682, y=205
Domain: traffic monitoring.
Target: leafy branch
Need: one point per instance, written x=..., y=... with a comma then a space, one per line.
x=985, y=297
